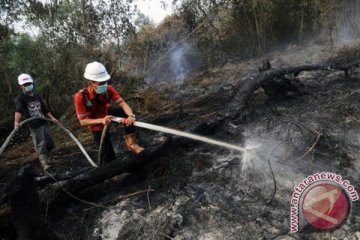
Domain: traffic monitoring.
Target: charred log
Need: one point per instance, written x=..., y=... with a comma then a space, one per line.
x=251, y=84
x=282, y=87
x=130, y=164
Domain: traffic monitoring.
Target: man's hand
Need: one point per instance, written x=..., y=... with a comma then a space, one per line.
x=54, y=120
x=106, y=120
x=16, y=125
x=130, y=121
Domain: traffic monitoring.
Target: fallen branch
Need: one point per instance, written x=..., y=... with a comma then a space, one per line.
x=311, y=148
x=147, y=194
x=79, y=199
x=273, y=177
x=352, y=117
x=124, y=197
x=136, y=193
x=252, y=83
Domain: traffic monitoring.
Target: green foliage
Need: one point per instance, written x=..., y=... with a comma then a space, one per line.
x=247, y=28
x=9, y=11
x=21, y=58
x=70, y=34
x=74, y=32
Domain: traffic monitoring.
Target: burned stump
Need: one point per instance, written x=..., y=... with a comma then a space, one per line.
x=26, y=211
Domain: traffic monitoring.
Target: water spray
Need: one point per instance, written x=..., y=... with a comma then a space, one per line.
x=182, y=134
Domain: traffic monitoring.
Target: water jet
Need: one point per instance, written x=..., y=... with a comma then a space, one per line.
x=185, y=134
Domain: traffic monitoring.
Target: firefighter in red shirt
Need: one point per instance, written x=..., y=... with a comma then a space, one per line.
x=93, y=110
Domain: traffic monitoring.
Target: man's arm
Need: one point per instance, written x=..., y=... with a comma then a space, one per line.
x=90, y=122
x=52, y=117
x=126, y=108
x=131, y=117
x=17, y=119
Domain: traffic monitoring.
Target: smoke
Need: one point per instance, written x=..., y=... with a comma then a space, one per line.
x=343, y=26
x=348, y=22
x=179, y=62
x=182, y=60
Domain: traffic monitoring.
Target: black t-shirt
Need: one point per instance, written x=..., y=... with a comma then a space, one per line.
x=31, y=106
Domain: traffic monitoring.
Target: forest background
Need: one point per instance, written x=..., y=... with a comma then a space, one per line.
x=200, y=34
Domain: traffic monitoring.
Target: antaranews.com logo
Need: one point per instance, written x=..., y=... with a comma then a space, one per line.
x=322, y=200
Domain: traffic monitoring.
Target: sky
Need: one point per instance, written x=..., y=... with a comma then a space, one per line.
x=154, y=9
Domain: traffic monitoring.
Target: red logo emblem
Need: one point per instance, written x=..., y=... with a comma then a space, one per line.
x=325, y=206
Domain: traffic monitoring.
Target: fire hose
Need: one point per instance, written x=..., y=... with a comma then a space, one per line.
x=164, y=130
x=12, y=134
x=180, y=133
x=122, y=121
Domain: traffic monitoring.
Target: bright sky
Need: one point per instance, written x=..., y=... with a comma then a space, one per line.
x=154, y=9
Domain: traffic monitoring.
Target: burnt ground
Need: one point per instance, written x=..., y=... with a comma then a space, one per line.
x=202, y=191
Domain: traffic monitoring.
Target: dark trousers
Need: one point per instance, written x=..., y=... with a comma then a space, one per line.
x=42, y=140
x=108, y=154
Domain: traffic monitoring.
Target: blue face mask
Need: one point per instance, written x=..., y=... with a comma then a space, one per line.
x=29, y=88
x=101, y=89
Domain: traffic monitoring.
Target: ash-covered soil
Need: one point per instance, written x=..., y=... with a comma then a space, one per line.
x=202, y=191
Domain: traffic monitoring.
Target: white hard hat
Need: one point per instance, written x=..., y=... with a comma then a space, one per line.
x=95, y=71
x=24, y=78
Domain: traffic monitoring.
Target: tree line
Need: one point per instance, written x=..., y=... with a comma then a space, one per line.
x=70, y=33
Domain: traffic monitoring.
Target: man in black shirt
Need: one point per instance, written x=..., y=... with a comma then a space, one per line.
x=29, y=104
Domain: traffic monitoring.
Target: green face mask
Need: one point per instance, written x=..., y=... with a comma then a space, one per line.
x=101, y=89
x=29, y=88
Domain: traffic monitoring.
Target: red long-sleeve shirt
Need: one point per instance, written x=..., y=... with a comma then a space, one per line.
x=92, y=105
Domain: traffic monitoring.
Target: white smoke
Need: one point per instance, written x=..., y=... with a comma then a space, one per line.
x=348, y=22
x=179, y=62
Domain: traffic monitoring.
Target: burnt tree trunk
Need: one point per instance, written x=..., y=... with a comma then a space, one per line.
x=131, y=163
x=249, y=85
x=280, y=87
